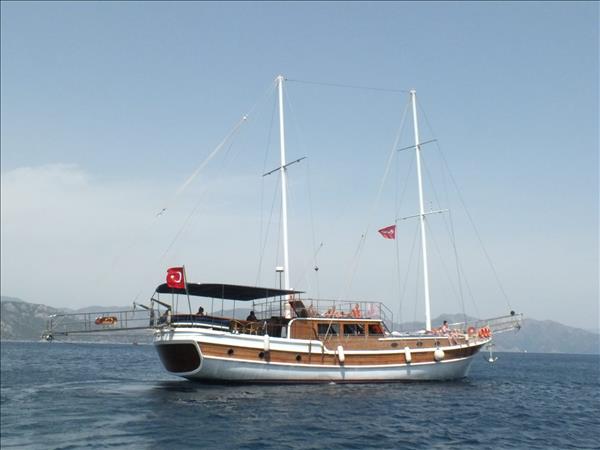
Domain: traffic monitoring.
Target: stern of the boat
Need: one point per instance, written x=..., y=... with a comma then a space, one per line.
x=182, y=358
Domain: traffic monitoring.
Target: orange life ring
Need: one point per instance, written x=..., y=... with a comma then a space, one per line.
x=484, y=332
x=105, y=320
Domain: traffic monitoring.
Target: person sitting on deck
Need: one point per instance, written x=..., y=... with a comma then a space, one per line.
x=312, y=312
x=444, y=328
x=331, y=312
x=355, y=313
x=200, y=311
x=251, y=317
x=441, y=330
x=164, y=318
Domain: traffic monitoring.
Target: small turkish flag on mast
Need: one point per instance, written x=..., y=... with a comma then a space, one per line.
x=388, y=232
x=176, y=278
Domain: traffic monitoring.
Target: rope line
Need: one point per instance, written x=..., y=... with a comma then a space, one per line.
x=262, y=197
x=363, y=237
x=349, y=86
x=303, y=148
x=450, y=231
x=464, y=205
x=408, y=266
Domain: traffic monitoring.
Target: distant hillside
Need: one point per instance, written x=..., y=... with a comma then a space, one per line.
x=10, y=299
x=549, y=337
x=535, y=336
x=22, y=320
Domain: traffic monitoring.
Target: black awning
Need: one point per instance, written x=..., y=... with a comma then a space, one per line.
x=226, y=291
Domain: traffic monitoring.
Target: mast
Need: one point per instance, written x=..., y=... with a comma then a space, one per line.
x=284, y=218
x=413, y=96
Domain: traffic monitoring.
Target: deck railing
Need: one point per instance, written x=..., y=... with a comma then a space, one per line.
x=497, y=325
x=311, y=307
x=98, y=322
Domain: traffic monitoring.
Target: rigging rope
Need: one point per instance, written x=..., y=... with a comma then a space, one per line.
x=399, y=200
x=261, y=251
x=228, y=138
x=304, y=151
x=408, y=266
x=464, y=205
x=354, y=265
x=450, y=231
x=204, y=163
x=368, y=88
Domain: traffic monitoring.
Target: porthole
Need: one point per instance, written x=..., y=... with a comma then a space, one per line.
x=230, y=352
x=261, y=355
x=437, y=343
x=298, y=358
x=394, y=344
x=419, y=344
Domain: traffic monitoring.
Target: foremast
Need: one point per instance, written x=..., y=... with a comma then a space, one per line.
x=413, y=96
x=284, y=218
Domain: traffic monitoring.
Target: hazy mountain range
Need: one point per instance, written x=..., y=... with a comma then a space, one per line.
x=22, y=320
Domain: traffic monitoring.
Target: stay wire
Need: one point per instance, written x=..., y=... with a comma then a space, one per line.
x=398, y=203
x=265, y=240
x=450, y=231
x=418, y=282
x=304, y=151
x=262, y=196
x=392, y=154
x=462, y=201
x=228, y=138
x=348, y=86
x=408, y=266
x=220, y=146
x=437, y=249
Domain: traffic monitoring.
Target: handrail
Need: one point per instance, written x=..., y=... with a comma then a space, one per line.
x=497, y=325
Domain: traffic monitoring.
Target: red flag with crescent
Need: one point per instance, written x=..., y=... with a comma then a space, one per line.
x=388, y=232
x=175, y=278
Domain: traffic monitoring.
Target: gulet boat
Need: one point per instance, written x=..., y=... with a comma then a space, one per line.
x=292, y=338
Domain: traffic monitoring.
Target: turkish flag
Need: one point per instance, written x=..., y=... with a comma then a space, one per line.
x=175, y=278
x=389, y=232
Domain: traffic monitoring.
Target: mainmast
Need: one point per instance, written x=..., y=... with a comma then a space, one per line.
x=284, y=218
x=413, y=96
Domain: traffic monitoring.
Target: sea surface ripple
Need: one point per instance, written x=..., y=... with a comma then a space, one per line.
x=68, y=396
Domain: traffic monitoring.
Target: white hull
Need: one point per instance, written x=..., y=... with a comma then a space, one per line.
x=234, y=371
x=226, y=369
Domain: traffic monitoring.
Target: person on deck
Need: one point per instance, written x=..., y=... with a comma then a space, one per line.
x=331, y=312
x=355, y=313
x=164, y=318
x=200, y=311
x=444, y=328
x=252, y=317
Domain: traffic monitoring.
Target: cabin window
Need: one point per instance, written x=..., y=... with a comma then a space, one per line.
x=375, y=329
x=326, y=328
x=354, y=329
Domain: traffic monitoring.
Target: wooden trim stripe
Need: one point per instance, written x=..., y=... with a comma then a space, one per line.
x=321, y=359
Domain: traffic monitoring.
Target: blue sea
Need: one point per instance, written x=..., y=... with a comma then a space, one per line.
x=67, y=396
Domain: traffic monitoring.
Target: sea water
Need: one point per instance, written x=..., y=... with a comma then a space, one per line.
x=65, y=395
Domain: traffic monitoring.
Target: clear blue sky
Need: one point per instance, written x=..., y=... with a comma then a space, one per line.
x=107, y=107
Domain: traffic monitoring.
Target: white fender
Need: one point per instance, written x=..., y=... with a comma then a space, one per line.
x=267, y=343
x=340, y=352
x=407, y=355
x=438, y=354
